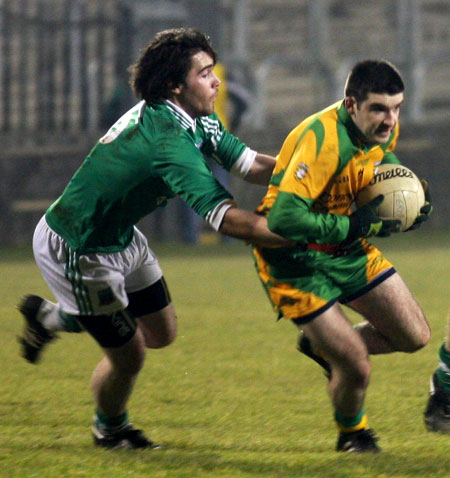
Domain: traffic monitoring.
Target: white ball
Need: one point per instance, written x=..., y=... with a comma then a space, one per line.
x=402, y=190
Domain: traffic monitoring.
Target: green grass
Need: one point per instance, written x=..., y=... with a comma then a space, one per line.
x=231, y=397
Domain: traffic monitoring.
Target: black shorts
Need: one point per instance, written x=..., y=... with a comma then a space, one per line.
x=118, y=328
x=149, y=300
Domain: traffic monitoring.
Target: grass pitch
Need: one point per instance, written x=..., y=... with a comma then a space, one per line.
x=231, y=397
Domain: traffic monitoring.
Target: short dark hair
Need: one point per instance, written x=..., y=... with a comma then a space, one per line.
x=373, y=76
x=166, y=61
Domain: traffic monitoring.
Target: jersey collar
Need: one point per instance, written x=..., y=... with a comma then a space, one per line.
x=183, y=118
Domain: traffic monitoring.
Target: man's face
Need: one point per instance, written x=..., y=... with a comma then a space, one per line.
x=197, y=96
x=376, y=116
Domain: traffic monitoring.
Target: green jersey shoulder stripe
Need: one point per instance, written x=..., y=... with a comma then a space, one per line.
x=213, y=128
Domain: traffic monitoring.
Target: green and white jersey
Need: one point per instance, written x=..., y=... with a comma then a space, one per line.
x=151, y=154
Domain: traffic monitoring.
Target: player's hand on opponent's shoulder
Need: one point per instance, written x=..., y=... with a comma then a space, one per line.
x=425, y=210
x=365, y=222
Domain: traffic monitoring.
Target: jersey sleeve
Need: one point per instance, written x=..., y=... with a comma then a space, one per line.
x=223, y=147
x=183, y=168
x=311, y=167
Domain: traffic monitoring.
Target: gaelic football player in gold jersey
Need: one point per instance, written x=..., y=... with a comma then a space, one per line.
x=322, y=165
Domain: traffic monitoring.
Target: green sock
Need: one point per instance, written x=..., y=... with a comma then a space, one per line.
x=110, y=424
x=443, y=372
x=351, y=424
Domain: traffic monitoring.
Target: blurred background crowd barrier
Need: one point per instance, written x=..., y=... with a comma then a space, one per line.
x=64, y=81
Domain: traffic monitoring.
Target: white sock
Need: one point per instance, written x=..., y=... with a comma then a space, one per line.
x=48, y=316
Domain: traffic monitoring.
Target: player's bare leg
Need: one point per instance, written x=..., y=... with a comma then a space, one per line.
x=395, y=322
x=112, y=383
x=346, y=352
x=114, y=377
x=343, y=348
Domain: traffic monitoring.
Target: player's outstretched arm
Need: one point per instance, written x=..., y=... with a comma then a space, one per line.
x=261, y=170
x=251, y=228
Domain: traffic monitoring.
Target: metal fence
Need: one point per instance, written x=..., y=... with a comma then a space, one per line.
x=62, y=63
x=59, y=63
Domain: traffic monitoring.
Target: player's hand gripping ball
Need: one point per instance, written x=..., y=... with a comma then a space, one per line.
x=404, y=196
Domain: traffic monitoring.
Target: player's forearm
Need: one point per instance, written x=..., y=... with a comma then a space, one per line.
x=261, y=170
x=251, y=228
x=291, y=217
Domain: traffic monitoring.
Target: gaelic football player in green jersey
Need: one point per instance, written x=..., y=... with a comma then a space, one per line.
x=105, y=278
x=322, y=165
x=437, y=412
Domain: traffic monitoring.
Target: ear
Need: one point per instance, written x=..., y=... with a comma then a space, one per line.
x=350, y=104
x=177, y=90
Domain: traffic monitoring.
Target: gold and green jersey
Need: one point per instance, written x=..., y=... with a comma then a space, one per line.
x=153, y=153
x=321, y=167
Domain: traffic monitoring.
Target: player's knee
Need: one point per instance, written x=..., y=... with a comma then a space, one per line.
x=160, y=330
x=131, y=366
x=421, y=341
x=418, y=336
x=165, y=336
x=353, y=368
x=128, y=360
x=358, y=374
x=160, y=339
x=418, y=340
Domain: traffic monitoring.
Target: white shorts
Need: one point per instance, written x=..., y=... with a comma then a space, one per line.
x=93, y=284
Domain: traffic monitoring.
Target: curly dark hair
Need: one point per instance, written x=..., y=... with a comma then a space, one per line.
x=166, y=61
x=373, y=76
